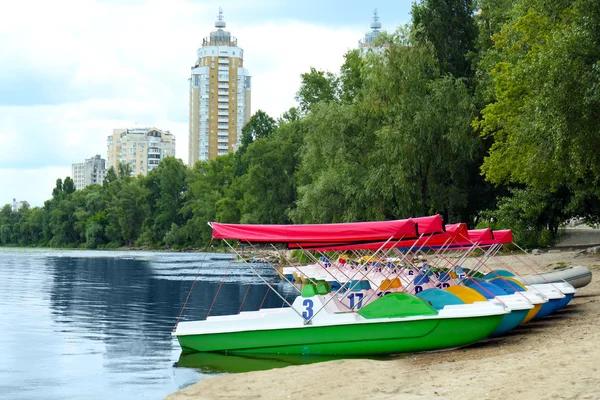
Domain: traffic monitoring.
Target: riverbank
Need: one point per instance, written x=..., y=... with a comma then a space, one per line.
x=552, y=358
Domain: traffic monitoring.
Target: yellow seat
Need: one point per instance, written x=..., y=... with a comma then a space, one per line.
x=385, y=284
x=396, y=283
x=467, y=295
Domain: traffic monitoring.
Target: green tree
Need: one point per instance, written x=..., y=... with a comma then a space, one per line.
x=259, y=126
x=449, y=25
x=317, y=86
x=168, y=189
x=131, y=209
x=544, y=119
x=269, y=186
x=68, y=185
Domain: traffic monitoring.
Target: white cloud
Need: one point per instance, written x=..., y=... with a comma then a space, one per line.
x=33, y=185
x=103, y=65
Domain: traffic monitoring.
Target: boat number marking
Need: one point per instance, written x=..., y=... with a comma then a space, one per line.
x=309, y=309
x=442, y=285
x=359, y=297
x=418, y=289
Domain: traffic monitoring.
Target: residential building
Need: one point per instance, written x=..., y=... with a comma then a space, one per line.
x=368, y=42
x=16, y=205
x=89, y=172
x=142, y=148
x=219, y=96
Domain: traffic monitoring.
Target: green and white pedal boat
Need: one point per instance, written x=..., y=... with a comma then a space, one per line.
x=317, y=324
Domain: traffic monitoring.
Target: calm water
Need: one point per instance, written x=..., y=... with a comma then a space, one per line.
x=97, y=324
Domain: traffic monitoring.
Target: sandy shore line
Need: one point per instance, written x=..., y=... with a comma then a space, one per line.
x=555, y=358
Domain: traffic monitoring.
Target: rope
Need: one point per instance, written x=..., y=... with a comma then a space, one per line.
x=247, y=290
x=192, y=287
x=264, y=298
x=218, y=290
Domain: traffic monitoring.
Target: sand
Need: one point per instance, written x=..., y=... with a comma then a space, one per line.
x=555, y=358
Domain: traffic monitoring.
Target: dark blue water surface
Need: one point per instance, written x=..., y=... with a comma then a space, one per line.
x=97, y=324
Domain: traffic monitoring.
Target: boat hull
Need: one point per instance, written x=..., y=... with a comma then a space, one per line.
x=354, y=339
x=578, y=276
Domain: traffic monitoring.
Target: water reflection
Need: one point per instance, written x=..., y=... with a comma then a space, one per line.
x=221, y=363
x=98, y=325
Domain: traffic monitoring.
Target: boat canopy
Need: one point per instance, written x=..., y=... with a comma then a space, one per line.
x=438, y=237
x=503, y=236
x=344, y=233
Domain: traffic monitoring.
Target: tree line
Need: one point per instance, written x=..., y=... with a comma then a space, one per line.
x=486, y=112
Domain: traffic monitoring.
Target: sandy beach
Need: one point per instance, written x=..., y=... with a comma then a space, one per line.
x=555, y=358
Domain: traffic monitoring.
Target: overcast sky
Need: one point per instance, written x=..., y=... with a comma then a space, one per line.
x=71, y=71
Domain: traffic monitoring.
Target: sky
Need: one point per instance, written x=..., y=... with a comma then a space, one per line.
x=71, y=71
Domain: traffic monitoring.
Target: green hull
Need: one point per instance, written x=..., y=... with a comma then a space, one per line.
x=351, y=339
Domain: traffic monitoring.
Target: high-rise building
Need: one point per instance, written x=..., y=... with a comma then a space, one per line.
x=16, y=205
x=369, y=40
x=219, y=96
x=142, y=148
x=89, y=172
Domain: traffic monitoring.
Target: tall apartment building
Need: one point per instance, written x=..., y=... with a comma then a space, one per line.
x=89, y=172
x=369, y=40
x=16, y=205
x=219, y=96
x=142, y=148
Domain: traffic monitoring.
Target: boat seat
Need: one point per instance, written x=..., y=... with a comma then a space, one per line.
x=438, y=298
x=421, y=279
x=396, y=284
x=385, y=285
x=468, y=295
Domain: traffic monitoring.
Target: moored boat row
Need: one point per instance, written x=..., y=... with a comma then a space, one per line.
x=380, y=294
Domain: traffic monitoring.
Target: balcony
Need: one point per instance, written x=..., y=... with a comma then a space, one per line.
x=223, y=113
x=223, y=105
x=223, y=77
x=223, y=126
x=223, y=60
x=223, y=85
x=223, y=92
x=223, y=147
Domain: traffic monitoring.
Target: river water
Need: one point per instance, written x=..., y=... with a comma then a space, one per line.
x=97, y=324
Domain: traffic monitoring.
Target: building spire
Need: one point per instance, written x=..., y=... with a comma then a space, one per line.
x=220, y=22
x=375, y=25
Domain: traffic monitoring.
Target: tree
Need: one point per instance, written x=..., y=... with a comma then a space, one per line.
x=131, y=208
x=68, y=185
x=58, y=189
x=450, y=27
x=544, y=119
x=259, y=126
x=351, y=79
x=316, y=86
x=269, y=186
x=209, y=182
x=168, y=189
x=124, y=170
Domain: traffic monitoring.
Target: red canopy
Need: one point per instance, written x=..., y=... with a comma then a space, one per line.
x=481, y=236
x=317, y=233
x=440, y=239
x=503, y=236
x=425, y=226
x=429, y=225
